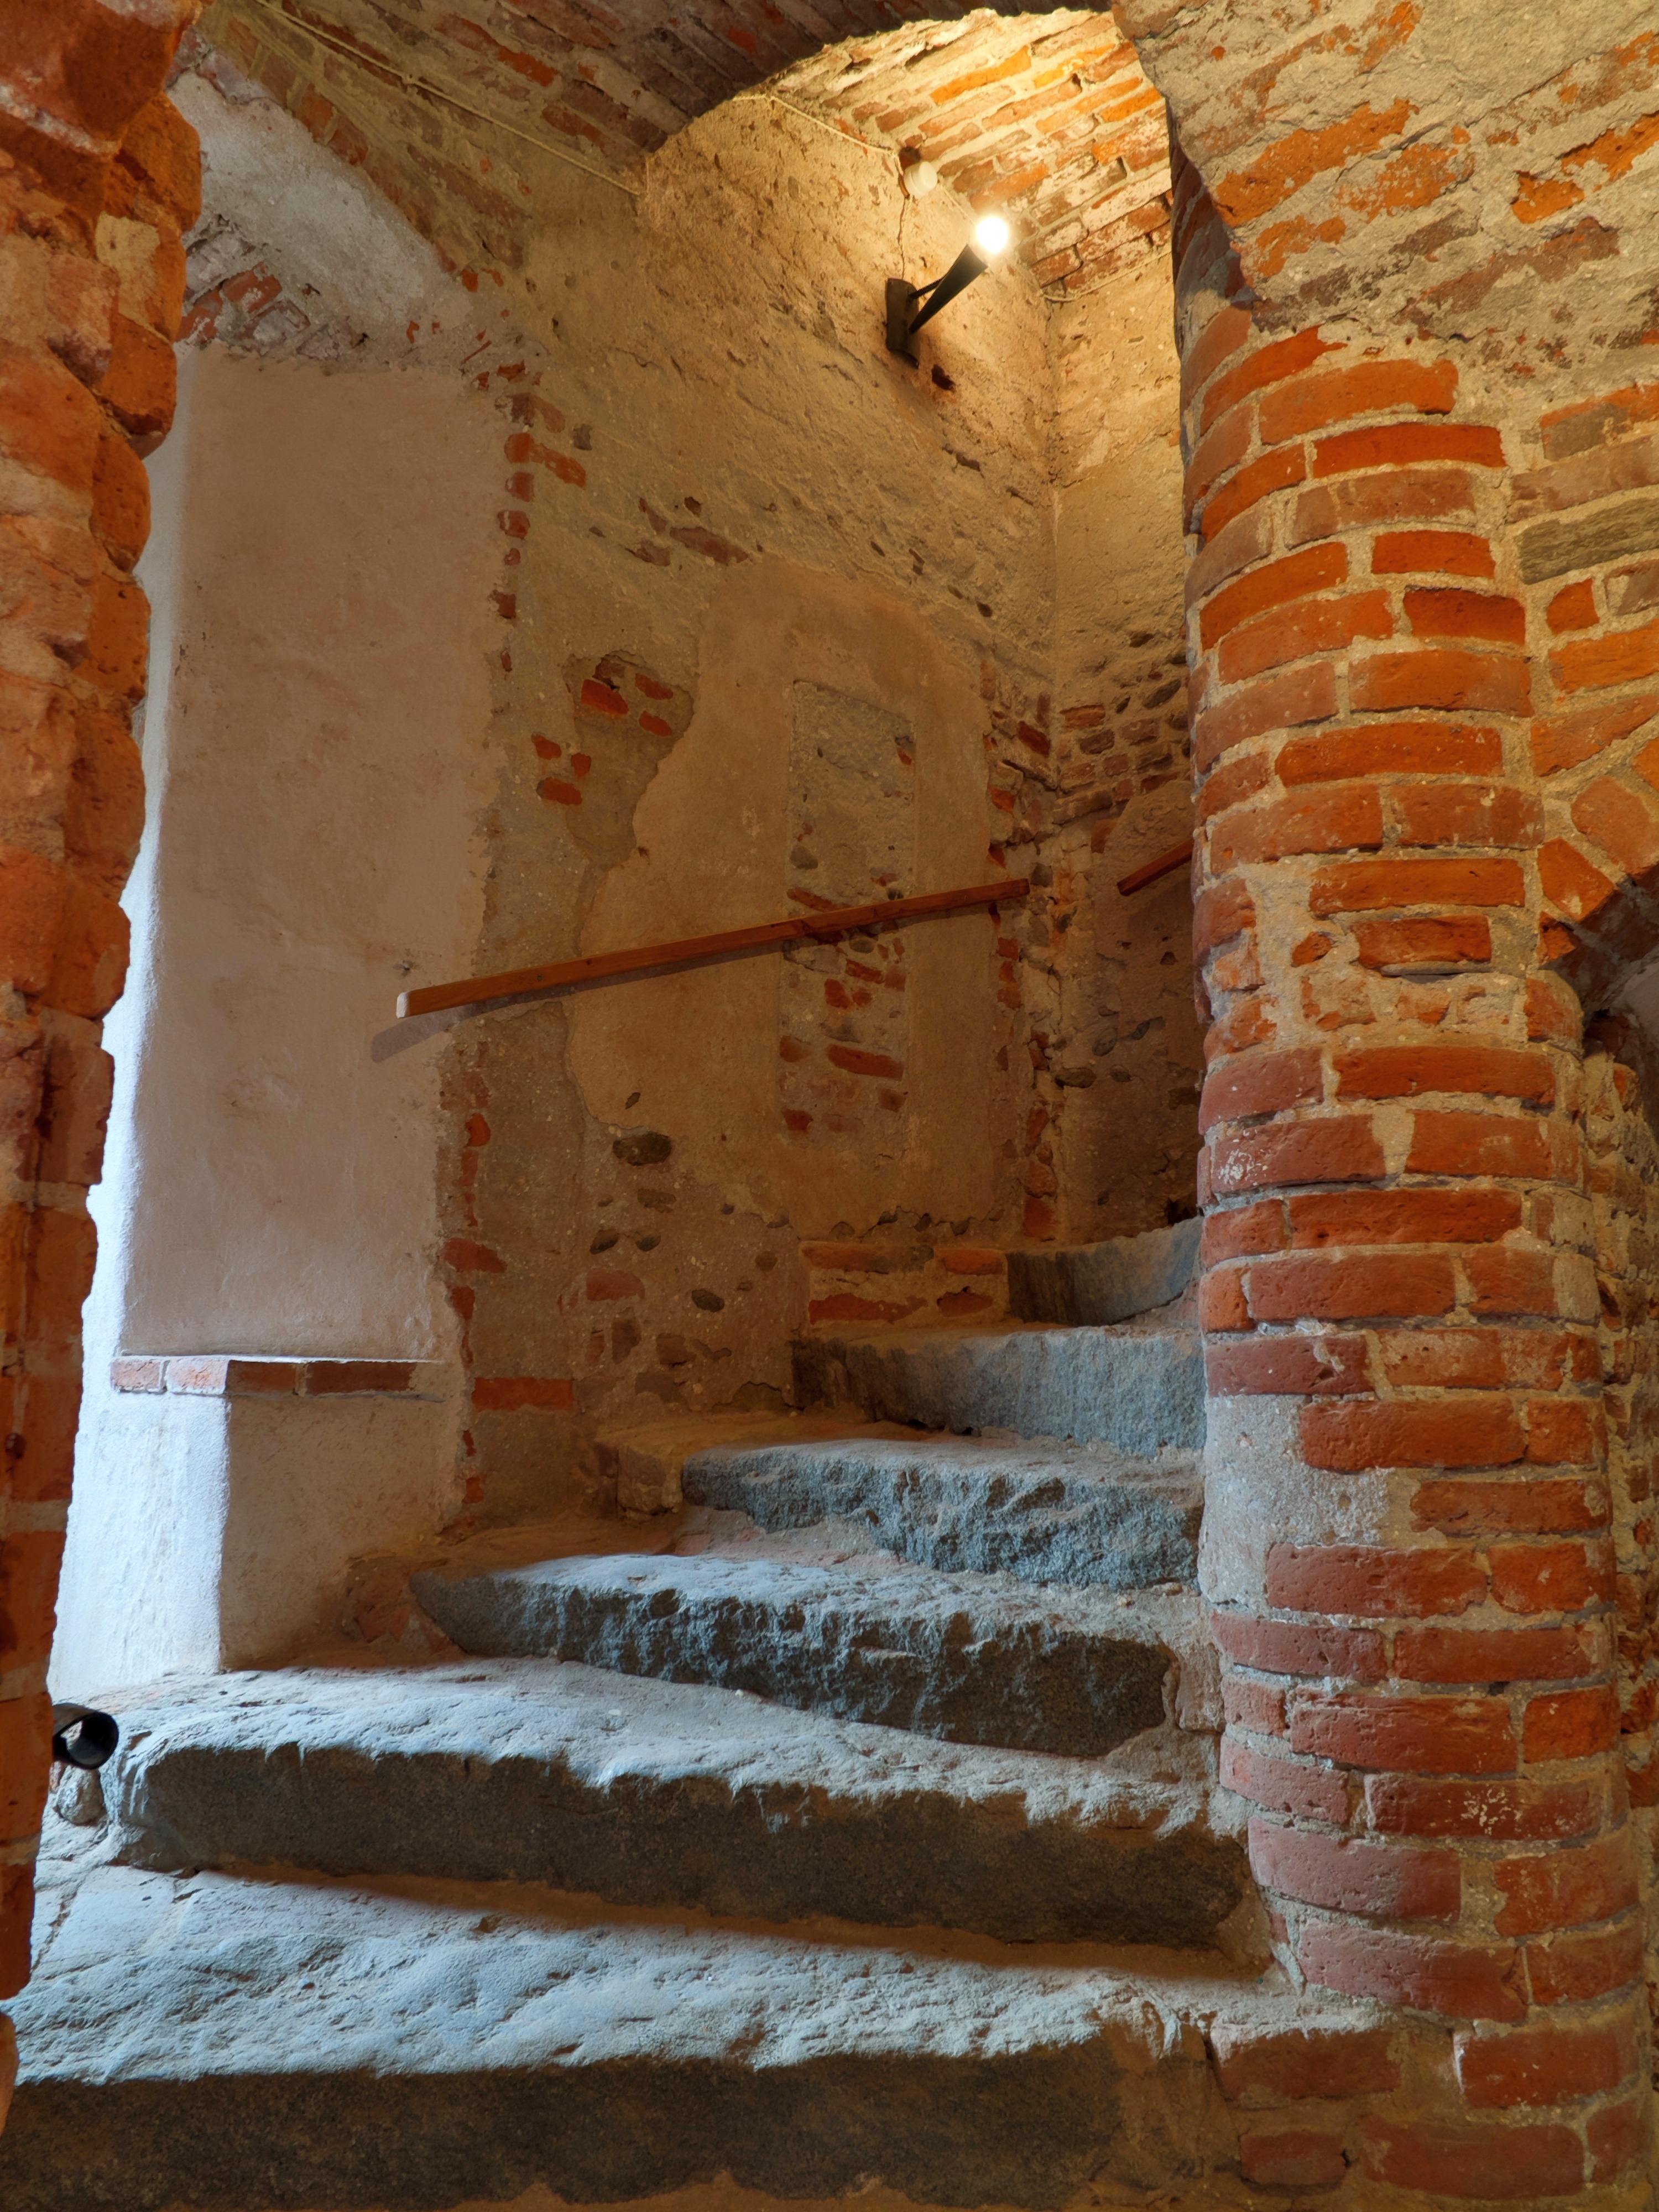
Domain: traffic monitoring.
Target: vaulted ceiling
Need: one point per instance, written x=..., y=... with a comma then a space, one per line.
x=1047, y=118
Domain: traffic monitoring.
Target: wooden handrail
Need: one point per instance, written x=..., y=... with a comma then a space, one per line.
x=595, y=967
x=1150, y=871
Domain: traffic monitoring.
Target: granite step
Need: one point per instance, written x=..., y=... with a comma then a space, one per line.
x=1042, y=1513
x=1083, y=1283
x=652, y=1793
x=970, y=1662
x=1139, y=1386
x=239, y=2042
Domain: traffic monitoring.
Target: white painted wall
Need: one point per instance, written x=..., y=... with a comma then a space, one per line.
x=317, y=753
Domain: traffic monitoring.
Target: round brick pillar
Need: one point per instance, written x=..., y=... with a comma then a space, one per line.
x=1407, y=1544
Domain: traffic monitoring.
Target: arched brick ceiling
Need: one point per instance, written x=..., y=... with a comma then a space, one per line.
x=1048, y=118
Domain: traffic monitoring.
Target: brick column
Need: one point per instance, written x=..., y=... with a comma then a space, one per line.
x=98, y=177
x=1407, y=1528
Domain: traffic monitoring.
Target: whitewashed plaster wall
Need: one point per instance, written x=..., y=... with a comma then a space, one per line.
x=317, y=750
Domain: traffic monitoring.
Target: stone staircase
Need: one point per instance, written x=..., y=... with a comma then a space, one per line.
x=851, y=1821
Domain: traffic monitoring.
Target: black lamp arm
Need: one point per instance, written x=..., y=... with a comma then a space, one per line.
x=968, y=264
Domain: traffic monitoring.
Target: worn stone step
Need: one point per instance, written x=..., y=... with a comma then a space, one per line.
x=1043, y=1514
x=234, y=2043
x=866, y=1639
x=660, y=1793
x=1112, y=1281
x=1139, y=1387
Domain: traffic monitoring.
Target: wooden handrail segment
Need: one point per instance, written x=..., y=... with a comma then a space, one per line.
x=596, y=967
x=1150, y=871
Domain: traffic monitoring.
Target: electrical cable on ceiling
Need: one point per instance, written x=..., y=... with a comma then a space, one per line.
x=436, y=92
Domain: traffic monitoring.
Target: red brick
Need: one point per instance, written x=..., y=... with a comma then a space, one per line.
x=1495, y=1812
x=1405, y=444
x=1622, y=822
x=1446, y=611
x=120, y=500
x=1403, y=1217
x=859, y=1062
x=1314, y=569
x=1279, y=1785
x=1522, y=1507
x=1268, y=365
x=1405, y=1070
x=1221, y=1300
x=1545, y=2062
x=1574, y=608
x=1554, y=1012
x=1221, y=450
x=1570, y=883
x=164, y=153
x=1239, y=779
x=1388, y=1882
x=1305, y=628
x=1280, y=702
x=1572, y=1723
x=1460, y=682
x=1561, y=741
x=1221, y=336
x=1423, y=552
x=1334, y=821
x=1625, y=657
x=141, y=386
x=1568, y=1886
x=1372, y=1582
x=49, y=422
x=25, y=1757
x=1256, y=481
x=1404, y=1735
x=1370, y=388
x=1243, y=1229
x=1486, y=1358
x=1298, y=2061
x=1465, y=1981
x=1505, y=1281
x=1549, y=1577
x=28, y=1593
x=1392, y=747
x=1291, y=1647
x=1318, y=1287
x=1221, y=913
x=1478, y=814
x=1446, y=941
x=605, y=1283
x=1360, y=886
x=1292, y=2158
x=1256, y=1706
x=1619, y=2134
x=1334, y=1150
x=1497, y=2164
x=1494, y=1654
x=1264, y=1083
x=1353, y=1436
x=17, y=1912
x=1577, y=1967
x=512, y=1393
x=1294, y=1365
x=1565, y=1432
x=1405, y=495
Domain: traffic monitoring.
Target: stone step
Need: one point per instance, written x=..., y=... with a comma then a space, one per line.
x=1113, y=1281
x=1139, y=1387
x=660, y=1793
x=239, y=2042
x=866, y=1639
x=1045, y=1514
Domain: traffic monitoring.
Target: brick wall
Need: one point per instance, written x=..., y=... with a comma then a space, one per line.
x=1427, y=1538
x=98, y=177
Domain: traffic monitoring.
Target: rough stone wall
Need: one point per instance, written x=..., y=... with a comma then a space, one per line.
x=98, y=177
x=1428, y=1559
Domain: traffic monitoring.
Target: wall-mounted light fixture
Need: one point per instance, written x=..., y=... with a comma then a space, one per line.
x=905, y=312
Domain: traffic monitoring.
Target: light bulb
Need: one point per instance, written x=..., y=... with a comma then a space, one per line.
x=991, y=235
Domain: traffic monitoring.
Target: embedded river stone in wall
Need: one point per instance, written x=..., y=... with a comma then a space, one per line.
x=1107, y=1282
x=216, y=1375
